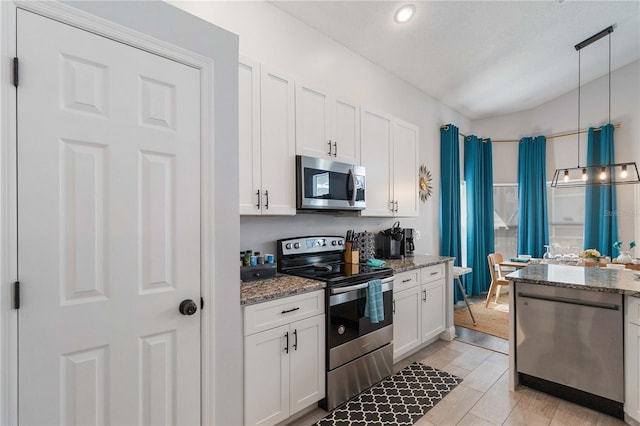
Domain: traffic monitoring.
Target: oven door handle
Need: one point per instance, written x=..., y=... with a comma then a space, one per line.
x=387, y=284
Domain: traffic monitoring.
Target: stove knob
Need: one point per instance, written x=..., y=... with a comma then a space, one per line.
x=322, y=243
x=288, y=246
x=296, y=245
x=339, y=242
x=334, y=243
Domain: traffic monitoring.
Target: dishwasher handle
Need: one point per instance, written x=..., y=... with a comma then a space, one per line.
x=570, y=301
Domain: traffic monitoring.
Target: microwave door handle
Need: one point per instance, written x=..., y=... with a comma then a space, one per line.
x=352, y=201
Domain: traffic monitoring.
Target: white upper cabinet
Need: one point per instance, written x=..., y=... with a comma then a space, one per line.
x=390, y=157
x=405, y=169
x=377, y=138
x=266, y=140
x=326, y=126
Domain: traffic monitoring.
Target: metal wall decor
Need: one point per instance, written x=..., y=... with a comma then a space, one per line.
x=425, y=188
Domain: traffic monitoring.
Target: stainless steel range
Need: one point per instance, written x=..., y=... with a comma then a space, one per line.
x=359, y=350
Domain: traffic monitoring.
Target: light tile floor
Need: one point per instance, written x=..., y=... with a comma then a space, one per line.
x=483, y=397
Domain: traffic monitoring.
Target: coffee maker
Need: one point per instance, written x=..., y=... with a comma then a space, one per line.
x=390, y=242
x=407, y=248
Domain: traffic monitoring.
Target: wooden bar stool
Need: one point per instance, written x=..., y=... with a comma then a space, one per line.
x=458, y=271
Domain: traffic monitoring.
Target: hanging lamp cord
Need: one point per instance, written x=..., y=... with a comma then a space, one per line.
x=579, y=108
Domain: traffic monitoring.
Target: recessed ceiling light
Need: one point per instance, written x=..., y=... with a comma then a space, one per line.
x=404, y=14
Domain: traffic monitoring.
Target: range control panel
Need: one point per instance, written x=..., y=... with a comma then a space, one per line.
x=304, y=245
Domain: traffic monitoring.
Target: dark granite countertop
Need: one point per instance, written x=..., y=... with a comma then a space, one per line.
x=288, y=285
x=275, y=288
x=416, y=262
x=586, y=278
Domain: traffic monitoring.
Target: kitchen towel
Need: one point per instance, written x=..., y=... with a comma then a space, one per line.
x=373, y=307
x=376, y=263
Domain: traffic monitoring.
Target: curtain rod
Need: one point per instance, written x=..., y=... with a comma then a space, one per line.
x=557, y=135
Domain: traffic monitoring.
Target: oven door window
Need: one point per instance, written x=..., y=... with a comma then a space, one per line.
x=331, y=185
x=347, y=321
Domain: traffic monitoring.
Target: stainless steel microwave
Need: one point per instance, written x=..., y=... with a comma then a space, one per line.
x=329, y=185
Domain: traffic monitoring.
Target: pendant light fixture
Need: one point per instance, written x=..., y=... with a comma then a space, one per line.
x=602, y=174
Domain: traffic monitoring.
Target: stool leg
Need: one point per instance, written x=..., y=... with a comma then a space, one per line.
x=464, y=295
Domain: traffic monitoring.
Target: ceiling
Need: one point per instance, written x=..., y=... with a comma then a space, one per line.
x=482, y=58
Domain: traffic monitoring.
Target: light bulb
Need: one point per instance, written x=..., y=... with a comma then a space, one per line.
x=623, y=173
x=603, y=173
x=585, y=176
x=405, y=13
x=566, y=175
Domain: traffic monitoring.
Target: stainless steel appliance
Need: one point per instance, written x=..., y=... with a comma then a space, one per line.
x=569, y=343
x=359, y=351
x=408, y=247
x=329, y=185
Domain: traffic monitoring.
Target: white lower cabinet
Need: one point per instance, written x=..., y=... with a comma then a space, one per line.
x=284, y=364
x=419, y=310
x=632, y=358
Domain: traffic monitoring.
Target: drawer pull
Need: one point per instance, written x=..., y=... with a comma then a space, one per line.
x=290, y=310
x=434, y=273
x=407, y=280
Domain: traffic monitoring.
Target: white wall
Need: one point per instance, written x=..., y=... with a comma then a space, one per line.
x=560, y=115
x=275, y=38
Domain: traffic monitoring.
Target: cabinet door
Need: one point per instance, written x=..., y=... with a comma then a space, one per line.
x=266, y=377
x=313, y=122
x=632, y=368
x=346, y=130
x=432, y=296
x=307, y=363
x=406, y=321
x=405, y=168
x=376, y=158
x=249, y=135
x=277, y=143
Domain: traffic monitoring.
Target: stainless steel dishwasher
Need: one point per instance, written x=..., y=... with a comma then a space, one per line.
x=569, y=343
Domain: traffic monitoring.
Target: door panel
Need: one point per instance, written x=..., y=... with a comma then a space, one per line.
x=108, y=230
x=405, y=168
x=376, y=154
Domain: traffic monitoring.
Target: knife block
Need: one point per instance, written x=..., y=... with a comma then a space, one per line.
x=351, y=256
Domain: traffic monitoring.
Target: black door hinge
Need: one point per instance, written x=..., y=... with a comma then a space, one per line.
x=15, y=72
x=16, y=295
x=201, y=303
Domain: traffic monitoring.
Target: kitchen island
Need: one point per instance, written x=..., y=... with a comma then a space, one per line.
x=574, y=333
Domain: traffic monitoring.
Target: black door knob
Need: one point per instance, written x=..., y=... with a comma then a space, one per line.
x=188, y=307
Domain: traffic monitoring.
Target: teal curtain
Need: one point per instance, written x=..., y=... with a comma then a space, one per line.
x=450, y=230
x=478, y=176
x=533, y=222
x=600, y=222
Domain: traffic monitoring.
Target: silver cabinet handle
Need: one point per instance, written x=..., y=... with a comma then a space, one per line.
x=424, y=295
x=266, y=204
x=393, y=309
x=396, y=203
x=407, y=280
x=258, y=194
x=392, y=204
x=329, y=148
x=335, y=149
x=286, y=347
x=295, y=341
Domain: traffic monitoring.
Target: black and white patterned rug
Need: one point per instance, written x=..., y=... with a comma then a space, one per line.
x=398, y=400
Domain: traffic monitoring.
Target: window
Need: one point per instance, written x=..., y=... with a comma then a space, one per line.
x=566, y=219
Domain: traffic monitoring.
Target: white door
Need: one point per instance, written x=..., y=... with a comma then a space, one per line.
x=376, y=155
x=405, y=168
x=432, y=309
x=266, y=376
x=277, y=136
x=406, y=321
x=346, y=131
x=307, y=363
x=108, y=230
x=249, y=136
x=313, y=122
